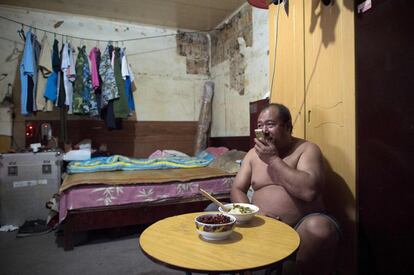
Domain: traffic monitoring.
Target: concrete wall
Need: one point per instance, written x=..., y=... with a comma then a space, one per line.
x=170, y=70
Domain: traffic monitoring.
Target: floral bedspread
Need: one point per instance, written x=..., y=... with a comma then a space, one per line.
x=106, y=195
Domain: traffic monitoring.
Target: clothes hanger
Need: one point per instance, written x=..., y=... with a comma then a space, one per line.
x=21, y=33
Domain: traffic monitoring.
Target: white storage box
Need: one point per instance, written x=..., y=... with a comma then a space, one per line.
x=27, y=182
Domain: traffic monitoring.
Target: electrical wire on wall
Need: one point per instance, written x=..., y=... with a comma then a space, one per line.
x=83, y=38
x=21, y=33
x=274, y=60
x=275, y=52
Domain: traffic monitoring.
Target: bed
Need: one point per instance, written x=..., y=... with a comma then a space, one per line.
x=117, y=199
x=121, y=198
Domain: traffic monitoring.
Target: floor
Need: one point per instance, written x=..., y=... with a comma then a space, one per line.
x=96, y=252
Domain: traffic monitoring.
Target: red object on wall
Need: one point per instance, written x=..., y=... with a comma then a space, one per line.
x=261, y=4
x=30, y=129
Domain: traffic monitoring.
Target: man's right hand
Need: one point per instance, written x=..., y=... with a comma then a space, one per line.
x=265, y=150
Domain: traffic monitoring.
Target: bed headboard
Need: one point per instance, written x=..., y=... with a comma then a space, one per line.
x=135, y=139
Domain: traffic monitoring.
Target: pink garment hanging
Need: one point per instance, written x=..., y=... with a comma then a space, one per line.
x=94, y=68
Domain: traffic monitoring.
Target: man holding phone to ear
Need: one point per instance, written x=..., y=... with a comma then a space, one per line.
x=287, y=176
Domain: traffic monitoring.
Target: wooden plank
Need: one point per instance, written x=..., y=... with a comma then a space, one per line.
x=135, y=139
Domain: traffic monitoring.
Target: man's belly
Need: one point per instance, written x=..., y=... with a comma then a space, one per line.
x=274, y=201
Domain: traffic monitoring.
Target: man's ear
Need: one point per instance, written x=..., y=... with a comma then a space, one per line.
x=288, y=128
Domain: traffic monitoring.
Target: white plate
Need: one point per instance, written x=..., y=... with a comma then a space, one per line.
x=242, y=218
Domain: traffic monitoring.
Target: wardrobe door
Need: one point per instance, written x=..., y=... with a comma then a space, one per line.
x=330, y=107
x=330, y=83
x=286, y=68
x=312, y=72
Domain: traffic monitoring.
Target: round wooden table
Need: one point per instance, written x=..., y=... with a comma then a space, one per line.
x=261, y=243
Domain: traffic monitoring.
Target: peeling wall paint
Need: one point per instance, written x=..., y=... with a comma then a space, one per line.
x=240, y=68
x=195, y=47
x=225, y=46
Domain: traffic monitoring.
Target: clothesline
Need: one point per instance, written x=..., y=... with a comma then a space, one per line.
x=91, y=39
x=97, y=85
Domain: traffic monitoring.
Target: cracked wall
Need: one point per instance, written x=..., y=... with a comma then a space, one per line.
x=195, y=47
x=239, y=69
x=225, y=46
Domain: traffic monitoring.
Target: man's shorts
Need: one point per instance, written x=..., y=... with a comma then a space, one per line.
x=329, y=217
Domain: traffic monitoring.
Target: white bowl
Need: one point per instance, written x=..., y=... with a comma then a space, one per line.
x=214, y=231
x=241, y=217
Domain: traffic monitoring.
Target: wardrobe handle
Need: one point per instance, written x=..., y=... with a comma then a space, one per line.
x=309, y=116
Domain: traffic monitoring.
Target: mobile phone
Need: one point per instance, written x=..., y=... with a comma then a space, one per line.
x=259, y=134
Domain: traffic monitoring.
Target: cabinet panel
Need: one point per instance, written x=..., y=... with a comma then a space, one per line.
x=330, y=109
x=286, y=71
x=330, y=84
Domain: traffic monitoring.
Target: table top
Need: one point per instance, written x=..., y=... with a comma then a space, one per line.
x=257, y=244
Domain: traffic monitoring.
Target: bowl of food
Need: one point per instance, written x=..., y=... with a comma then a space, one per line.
x=215, y=226
x=243, y=212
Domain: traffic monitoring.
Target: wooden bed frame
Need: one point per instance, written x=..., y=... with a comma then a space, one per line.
x=136, y=139
x=125, y=215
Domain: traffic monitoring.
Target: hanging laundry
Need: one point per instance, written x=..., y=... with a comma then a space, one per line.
x=84, y=101
x=94, y=68
x=105, y=112
x=45, y=70
x=36, y=48
x=98, y=85
x=80, y=106
x=127, y=75
x=61, y=95
x=27, y=68
x=51, y=91
x=121, y=104
x=109, y=89
x=69, y=74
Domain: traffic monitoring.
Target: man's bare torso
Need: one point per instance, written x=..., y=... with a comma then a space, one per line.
x=272, y=199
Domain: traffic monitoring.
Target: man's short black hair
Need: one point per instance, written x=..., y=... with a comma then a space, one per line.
x=283, y=114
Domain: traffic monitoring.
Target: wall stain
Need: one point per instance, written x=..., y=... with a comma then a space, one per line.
x=194, y=46
x=224, y=46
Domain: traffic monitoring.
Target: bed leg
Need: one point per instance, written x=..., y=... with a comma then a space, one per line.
x=68, y=236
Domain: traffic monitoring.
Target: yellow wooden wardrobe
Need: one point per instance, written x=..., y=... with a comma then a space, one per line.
x=313, y=74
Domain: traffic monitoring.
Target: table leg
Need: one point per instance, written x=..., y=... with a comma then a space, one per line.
x=278, y=268
x=279, y=271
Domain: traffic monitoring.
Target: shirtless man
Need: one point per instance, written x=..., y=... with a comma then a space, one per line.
x=287, y=176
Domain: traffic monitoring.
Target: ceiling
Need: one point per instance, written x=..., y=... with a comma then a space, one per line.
x=199, y=15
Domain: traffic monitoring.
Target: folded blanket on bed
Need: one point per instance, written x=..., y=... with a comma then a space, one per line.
x=143, y=177
x=117, y=162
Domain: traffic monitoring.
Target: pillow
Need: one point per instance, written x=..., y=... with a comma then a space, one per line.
x=217, y=151
x=229, y=161
x=174, y=153
x=167, y=153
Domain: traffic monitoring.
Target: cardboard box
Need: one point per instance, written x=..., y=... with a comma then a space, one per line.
x=27, y=182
